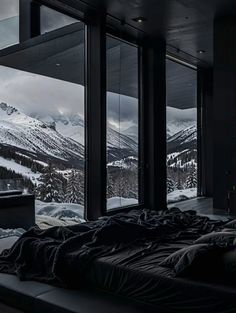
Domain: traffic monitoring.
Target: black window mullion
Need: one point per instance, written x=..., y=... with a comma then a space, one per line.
x=96, y=119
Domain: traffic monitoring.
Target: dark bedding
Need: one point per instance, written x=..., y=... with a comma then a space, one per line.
x=122, y=255
x=139, y=276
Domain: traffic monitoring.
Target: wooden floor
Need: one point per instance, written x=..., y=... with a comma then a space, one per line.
x=203, y=206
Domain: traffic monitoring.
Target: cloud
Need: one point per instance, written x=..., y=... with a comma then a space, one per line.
x=40, y=94
x=32, y=93
x=122, y=111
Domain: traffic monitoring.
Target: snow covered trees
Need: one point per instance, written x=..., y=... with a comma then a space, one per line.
x=50, y=187
x=170, y=185
x=181, y=178
x=75, y=188
x=191, y=181
x=54, y=187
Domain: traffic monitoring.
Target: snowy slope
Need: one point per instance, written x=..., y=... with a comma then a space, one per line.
x=184, y=139
x=68, y=126
x=132, y=132
x=27, y=133
x=119, y=145
x=20, y=169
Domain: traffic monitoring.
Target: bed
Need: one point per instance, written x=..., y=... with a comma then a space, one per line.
x=123, y=277
x=140, y=277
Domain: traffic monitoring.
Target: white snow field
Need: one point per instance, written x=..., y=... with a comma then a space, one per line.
x=117, y=202
x=58, y=214
x=180, y=195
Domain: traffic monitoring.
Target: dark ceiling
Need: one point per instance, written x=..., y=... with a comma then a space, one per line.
x=187, y=25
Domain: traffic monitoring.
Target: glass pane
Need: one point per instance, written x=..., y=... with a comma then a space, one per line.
x=122, y=124
x=181, y=132
x=52, y=20
x=9, y=23
x=42, y=126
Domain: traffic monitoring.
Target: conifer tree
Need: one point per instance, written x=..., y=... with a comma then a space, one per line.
x=170, y=185
x=50, y=188
x=74, y=188
x=191, y=181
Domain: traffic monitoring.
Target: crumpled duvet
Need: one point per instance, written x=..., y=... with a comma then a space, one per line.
x=62, y=255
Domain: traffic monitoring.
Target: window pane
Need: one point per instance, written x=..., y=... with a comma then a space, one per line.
x=9, y=23
x=42, y=125
x=122, y=124
x=52, y=20
x=181, y=132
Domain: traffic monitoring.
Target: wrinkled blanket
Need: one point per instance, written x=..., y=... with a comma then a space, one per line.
x=62, y=255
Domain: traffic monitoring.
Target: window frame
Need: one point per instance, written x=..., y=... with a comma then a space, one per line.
x=199, y=102
x=144, y=145
x=141, y=148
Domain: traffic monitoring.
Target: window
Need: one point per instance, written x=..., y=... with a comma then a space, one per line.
x=52, y=20
x=181, y=132
x=122, y=124
x=42, y=125
x=9, y=23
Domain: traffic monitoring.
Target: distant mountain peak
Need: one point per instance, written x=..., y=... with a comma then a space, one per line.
x=7, y=108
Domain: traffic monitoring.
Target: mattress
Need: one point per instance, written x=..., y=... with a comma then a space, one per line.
x=135, y=273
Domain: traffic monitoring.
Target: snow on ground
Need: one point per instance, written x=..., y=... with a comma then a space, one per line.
x=116, y=202
x=63, y=211
x=183, y=165
x=11, y=232
x=58, y=214
x=20, y=169
x=124, y=163
x=44, y=221
x=180, y=195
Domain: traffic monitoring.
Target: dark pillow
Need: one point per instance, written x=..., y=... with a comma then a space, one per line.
x=218, y=238
x=183, y=258
x=231, y=224
x=198, y=261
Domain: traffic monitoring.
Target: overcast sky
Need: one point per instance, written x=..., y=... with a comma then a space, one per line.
x=40, y=94
x=31, y=93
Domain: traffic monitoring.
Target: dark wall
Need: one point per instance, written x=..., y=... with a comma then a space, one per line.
x=224, y=110
x=205, y=131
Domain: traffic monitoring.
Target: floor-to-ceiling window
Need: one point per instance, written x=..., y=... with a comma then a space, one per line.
x=42, y=118
x=122, y=124
x=9, y=23
x=181, y=132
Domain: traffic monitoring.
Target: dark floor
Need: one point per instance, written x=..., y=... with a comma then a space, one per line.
x=6, y=309
x=203, y=206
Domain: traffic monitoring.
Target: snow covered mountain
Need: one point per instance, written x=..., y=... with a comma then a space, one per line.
x=72, y=126
x=179, y=119
x=30, y=135
x=184, y=139
x=132, y=132
x=181, y=137
x=60, y=136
